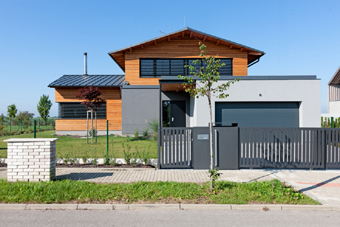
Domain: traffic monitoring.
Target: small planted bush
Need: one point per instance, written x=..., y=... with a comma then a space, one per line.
x=136, y=133
x=127, y=153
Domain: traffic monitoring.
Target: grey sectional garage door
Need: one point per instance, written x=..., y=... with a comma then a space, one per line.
x=258, y=114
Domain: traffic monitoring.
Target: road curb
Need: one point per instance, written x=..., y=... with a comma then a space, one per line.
x=255, y=207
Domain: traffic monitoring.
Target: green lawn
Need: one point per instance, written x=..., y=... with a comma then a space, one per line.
x=267, y=192
x=70, y=147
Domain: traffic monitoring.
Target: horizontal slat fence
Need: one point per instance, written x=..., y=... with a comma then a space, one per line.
x=296, y=148
x=175, y=148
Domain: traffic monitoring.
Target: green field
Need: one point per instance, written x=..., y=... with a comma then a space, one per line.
x=72, y=147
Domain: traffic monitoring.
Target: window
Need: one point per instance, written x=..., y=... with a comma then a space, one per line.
x=76, y=110
x=174, y=67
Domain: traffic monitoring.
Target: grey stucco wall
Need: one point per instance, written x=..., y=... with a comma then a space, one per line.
x=140, y=104
x=306, y=92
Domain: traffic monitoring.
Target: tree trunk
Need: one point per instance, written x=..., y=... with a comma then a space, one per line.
x=92, y=126
x=211, y=145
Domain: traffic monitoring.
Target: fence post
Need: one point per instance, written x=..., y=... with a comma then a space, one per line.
x=34, y=129
x=332, y=122
x=107, y=138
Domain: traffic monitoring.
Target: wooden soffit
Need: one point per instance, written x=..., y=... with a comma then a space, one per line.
x=187, y=33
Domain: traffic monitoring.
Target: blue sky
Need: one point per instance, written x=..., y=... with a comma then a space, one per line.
x=42, y=40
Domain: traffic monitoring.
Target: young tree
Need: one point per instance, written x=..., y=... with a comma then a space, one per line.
x=92, y=102
x=44, y=107
x=12, y=111
x=207, y=74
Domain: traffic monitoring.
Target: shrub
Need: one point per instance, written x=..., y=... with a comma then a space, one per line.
x=127, y=153
x=136, y=133
x=145, y=155
x=1, y=127
x=146, y=132
x=93, y=132
x=85, y=156
x=154, y=127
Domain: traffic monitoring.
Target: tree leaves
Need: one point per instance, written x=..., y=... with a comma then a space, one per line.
x=91, y=95
x=44, y=107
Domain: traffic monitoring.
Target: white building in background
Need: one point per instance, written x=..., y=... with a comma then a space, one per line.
x=334, y=96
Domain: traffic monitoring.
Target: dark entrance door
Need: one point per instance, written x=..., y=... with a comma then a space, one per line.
x=174, y=113
x=177, y=113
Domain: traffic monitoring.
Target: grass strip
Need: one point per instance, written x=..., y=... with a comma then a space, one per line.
x=66, y=191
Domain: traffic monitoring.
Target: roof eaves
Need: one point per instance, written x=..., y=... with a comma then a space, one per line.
x=181, y=30
x=333, y=77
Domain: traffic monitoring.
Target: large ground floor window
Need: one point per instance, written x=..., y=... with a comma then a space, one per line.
x=76, y=110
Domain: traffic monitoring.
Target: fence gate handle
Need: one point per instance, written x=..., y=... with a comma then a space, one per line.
x=215, y=148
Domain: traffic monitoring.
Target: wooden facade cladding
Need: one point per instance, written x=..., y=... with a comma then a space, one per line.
x=180, y=48
x=80, y=125
x=113, y=110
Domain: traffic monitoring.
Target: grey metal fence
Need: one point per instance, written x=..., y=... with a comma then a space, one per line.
x=297, y=148
x=175, y=150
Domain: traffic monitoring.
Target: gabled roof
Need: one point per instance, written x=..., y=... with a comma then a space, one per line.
x=88, y=80
x=336, y=78
x=119, y=56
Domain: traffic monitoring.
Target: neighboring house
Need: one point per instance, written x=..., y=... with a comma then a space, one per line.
x=150, y=89
x=334, y=96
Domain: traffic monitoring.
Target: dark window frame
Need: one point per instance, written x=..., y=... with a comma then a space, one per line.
x=67, y=110
x=186, y=71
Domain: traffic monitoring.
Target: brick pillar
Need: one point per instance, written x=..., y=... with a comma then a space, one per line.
x=31, y=159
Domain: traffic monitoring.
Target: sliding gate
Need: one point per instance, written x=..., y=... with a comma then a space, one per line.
x=295, y=148
x=175, y=148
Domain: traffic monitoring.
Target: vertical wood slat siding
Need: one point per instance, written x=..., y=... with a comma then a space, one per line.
x=113, y=110
x=333, y=92
x=176, y=148
x=289, y=148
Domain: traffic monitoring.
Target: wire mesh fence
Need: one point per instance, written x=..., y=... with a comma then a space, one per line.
x=113, y=141
x=76, y=139
x=14, y=128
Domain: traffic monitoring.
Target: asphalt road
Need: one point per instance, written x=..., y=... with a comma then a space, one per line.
x=161, y=218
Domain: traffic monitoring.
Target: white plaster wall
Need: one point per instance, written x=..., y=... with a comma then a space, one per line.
x=334, y=107
x=307, y=92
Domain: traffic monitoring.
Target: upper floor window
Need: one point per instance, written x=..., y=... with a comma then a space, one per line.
x=174, y=67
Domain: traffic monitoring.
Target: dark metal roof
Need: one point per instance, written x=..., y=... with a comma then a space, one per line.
x=165, y=79
x=184, y=29
x=88, y=80
x=336, y=78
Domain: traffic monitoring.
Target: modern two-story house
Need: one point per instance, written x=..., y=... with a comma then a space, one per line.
x=150, y=89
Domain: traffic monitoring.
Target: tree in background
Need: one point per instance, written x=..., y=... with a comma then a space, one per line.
x=92, y=103
x=12, y=111
x=208, y=74
x=24, y=117
x=44, y=107
x=2, y=119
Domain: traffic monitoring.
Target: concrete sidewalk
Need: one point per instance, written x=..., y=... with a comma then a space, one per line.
x=323, y=186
